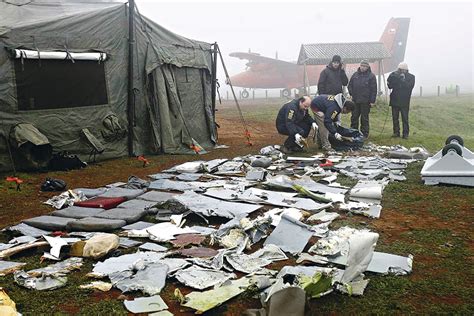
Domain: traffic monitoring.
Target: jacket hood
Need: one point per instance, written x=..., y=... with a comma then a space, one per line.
x=331, y=67
x=369, y=70
x=340, y=100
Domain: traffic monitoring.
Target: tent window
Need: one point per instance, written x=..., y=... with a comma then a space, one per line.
x=55, y=84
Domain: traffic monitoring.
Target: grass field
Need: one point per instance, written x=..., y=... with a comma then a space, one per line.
x=432, y=223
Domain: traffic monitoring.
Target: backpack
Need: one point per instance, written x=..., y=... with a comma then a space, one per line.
x=50, y=185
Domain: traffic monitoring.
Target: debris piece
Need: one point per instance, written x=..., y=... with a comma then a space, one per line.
x=270, y=252
x=323, y=216
x=156, y=196
x=262, y=162
x=138, y=226
x=204, y=301
x=98, y=285
x=312, y=258
x=310, y=194
x=152, y=247
x=200, y=252
x=187, y=239
x=118, y=192
x=160, y=232
x=44, y=282
x=316, y=286
x=276, y=214
x=383, y=263
x=150, y=280
x=361, y=249
x=367, y=191
x=22, y=240
x=56, y=244
x=28, y=230
x=129, y=215
x=128, y=243
x=290, y=235
x=124, y=262
x=245, y=263
x=77, y=212
x=62, y=267
x=145, y=304
x=287, y=301
x=213, y=207
x=46, y=222
x=101, y=202
x=7, y=267
x=100, y=244
x=7, y=305
x=94, y=224
x=14, y=250
x=202, y=278
x=255, y=175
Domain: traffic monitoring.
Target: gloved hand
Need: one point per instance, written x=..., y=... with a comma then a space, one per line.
x=338, y=136
x=337, y=123
x=314, y=126
x=402, y=76
x=299, y=140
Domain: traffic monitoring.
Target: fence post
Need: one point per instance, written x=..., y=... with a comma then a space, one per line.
x=266, y=94
x=457, y=90
x=421, y=91
x=253, y=94
x=439, y=91
x=227, y=95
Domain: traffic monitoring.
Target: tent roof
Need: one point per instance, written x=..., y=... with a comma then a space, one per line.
x=321, y=54
x=23, y=13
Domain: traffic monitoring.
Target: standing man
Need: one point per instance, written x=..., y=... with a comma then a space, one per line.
x=401, y=82
x=327, y=109
x=363, y=89
x=294, y=120
x=333, y=77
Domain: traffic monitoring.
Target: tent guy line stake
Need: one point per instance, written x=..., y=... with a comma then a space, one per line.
x=247, y=133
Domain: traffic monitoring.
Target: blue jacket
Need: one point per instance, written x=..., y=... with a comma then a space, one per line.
x=331, y=106
x=291, y=116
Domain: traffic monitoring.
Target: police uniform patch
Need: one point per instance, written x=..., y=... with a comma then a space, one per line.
x=290, y=114
x=333, y=115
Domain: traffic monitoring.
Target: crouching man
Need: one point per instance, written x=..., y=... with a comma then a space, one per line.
x=327, y=110
x=294, y=121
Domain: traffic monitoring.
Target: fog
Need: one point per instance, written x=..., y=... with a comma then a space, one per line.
x=440, y=39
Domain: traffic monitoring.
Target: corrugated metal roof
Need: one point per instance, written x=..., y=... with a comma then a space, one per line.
x=321, y=54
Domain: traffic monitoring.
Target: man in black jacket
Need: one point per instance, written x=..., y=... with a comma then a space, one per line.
x=294, y=120
x=401, y=82
x=333, y=77
x=363, y=89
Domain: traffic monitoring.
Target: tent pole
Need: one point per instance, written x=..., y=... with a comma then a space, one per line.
x=214, y=77
x=131, y=99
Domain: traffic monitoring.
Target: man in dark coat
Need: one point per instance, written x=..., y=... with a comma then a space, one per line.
x=401, y=82
x=363, y=89
x=333, y=77
x=294, y=120
x=327, y=110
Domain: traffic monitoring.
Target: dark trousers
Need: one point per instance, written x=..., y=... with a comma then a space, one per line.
x=395, y=117
x=361, y=110
x=290, y=141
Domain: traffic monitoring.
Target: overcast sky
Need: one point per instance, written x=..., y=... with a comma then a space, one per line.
x=440, y=39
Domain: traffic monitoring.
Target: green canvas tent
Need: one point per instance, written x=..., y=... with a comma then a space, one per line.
x=64, y=75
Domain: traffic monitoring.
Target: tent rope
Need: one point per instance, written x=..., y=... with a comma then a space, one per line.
x=242, y=119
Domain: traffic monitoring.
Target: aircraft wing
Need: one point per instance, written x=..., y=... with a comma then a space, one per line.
x=257, y=59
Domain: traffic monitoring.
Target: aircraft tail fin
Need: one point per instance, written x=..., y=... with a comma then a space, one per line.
x=395, y=37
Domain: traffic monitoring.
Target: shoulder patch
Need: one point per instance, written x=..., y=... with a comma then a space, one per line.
x=290, y=114
x=334, y=115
